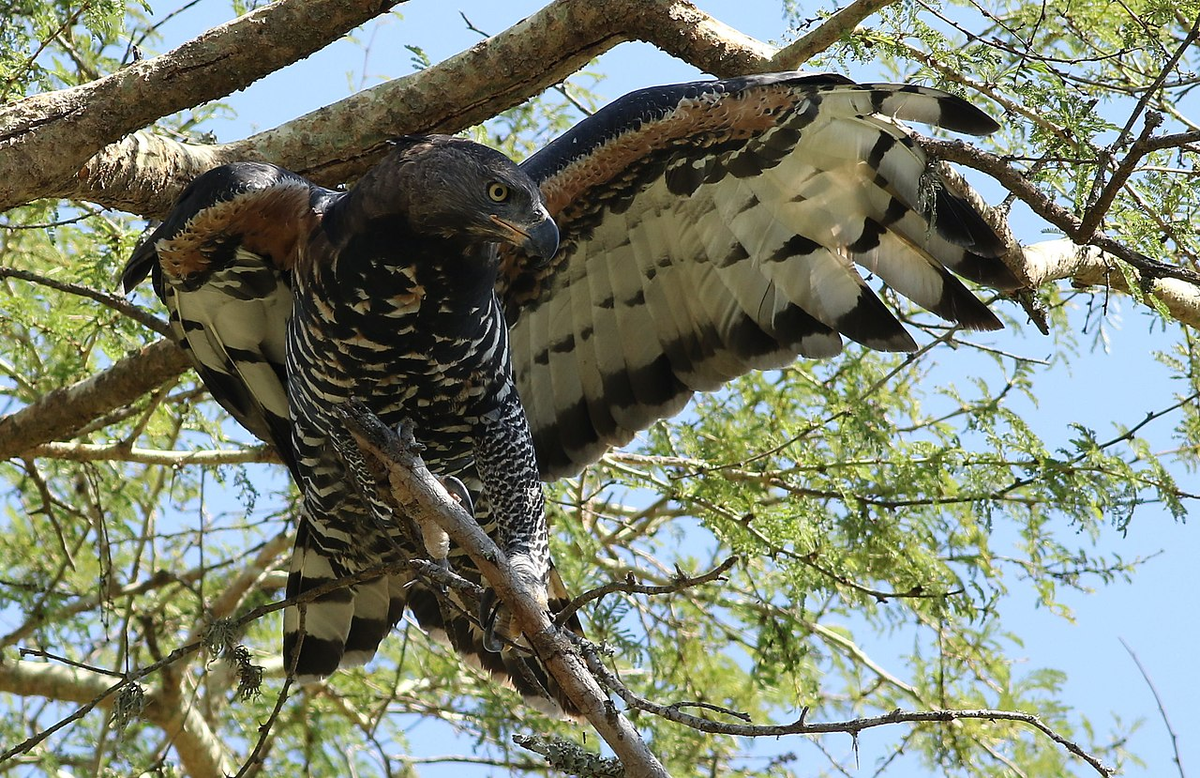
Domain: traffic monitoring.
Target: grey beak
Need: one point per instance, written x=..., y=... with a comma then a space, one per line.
x=543, y=240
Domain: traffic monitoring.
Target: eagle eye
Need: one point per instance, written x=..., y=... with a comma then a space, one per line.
x=497, y=192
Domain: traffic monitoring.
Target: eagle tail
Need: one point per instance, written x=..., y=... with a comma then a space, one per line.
x=343, y=625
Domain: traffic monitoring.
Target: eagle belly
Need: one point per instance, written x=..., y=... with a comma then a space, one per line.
x=410, y=351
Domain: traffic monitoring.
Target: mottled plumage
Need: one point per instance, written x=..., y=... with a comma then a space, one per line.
x=707, y=229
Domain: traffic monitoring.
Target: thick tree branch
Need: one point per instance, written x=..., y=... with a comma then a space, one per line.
x=61, y=412
x=46, y=139
x=1176, y=287
x=144, y=173
x=123, y=452
x=1089, y=266
x=1039, y=203
x=417, y=492
x=200, y=752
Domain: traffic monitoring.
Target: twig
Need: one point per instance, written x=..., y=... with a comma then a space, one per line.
x=1103, y=202
x=264, y=730
x=1161, y=709
x=840, y=24
x=802, y=727
x=570, y=758
x=68, y=661
x=1096, y=211
x=629, y=586
x=195, y=645
x=116, y=302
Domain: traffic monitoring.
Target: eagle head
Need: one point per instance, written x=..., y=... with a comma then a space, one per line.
x=457, y=188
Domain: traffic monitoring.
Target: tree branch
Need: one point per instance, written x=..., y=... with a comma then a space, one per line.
x=417, y=492
x=59, y=413
x=1089, y=266
x=1162, y=711
x=851, y=726
x=834, y=28
x=123, y=452
x=46, y=139
x=1178, y=288
x=116, y=302
x=631, y=586
x=200, y=751
x=16, y=682
x=335, y=144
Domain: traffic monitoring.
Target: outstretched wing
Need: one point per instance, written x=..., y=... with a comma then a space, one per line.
x=221, y=264
x=712, y=228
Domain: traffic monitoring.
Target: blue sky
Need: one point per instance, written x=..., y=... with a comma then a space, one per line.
x=1154, y=614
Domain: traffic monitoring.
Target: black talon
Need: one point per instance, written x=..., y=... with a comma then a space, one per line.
x=458, y=490
x=489, y=608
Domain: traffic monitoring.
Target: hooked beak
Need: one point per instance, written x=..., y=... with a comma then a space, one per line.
x=540, y=239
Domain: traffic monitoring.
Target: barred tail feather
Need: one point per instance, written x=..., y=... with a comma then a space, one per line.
x=344, y=627
x=340, y=628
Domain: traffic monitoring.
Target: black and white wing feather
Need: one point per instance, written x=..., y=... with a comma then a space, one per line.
x=713, y=228
x=221, y=263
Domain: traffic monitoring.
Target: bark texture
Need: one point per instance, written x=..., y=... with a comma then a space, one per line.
x=60, y=413
x=45, y=140
x=143, y=173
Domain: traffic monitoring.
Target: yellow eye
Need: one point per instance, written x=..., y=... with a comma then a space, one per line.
x=497, y=192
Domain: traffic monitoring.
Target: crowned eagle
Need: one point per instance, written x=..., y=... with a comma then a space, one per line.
x=527, y=317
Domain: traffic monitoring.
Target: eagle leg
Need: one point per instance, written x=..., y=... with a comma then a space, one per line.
x=363, y=478
x=437, y=542
x=507, y=464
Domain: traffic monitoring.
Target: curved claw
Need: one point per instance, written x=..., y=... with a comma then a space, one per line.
x=458, y=490
x=489, y=608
